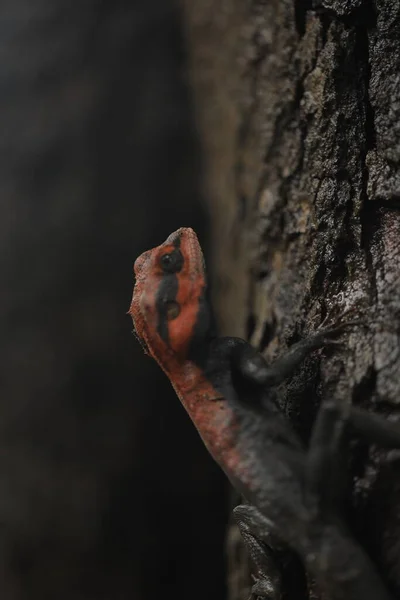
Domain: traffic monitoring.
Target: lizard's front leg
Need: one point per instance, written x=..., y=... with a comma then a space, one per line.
x=253, y=367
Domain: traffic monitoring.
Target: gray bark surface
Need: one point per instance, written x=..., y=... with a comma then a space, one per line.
x=298, y=106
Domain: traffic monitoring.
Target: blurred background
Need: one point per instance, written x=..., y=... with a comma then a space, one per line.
x=105, y=489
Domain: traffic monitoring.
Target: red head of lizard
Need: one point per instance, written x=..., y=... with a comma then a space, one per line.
x=167, y=297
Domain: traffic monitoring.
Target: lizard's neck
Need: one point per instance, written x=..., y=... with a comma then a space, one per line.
x=212, y=415
x=190, y=384
x=187, y=373
x=210, y=412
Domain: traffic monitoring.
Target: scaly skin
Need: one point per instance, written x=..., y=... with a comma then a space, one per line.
x=213, y=418
x=225, y=386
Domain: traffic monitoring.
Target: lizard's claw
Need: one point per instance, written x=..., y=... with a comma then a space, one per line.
x=338, y=317
x=331, y=342
x=340, y=323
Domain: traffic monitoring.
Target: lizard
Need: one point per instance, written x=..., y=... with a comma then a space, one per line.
x=228, y=390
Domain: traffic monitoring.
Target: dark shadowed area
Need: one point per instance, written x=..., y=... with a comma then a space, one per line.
x=105, y=489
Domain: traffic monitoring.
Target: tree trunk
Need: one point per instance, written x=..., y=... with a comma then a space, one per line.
x=298, y=107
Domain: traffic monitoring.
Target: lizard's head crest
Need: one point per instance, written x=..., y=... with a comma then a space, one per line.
x=168, y=297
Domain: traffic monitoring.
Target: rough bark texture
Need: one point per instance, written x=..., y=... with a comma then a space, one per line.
x=298, y=105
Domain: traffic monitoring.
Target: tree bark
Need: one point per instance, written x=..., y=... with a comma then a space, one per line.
x=298, y=108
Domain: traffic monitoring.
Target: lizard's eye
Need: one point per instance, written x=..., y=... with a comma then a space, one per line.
x=172, y=262
x=172, y=310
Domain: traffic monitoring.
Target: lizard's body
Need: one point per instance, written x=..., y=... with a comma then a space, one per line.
x=223, y=384
x=242, y=435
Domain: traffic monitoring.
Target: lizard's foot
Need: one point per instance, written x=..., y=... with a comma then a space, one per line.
x=264, y=588
x=337, y=318
x=333, y=326
x=262, y=547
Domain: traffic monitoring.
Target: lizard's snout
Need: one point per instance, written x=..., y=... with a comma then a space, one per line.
x=181, y=235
